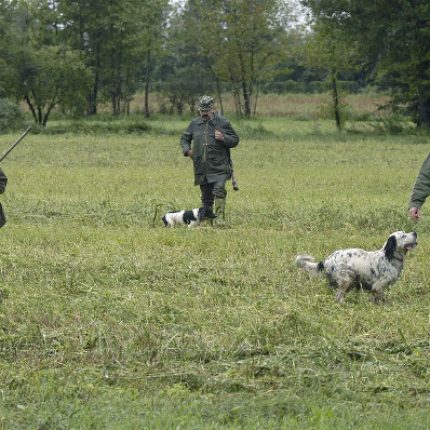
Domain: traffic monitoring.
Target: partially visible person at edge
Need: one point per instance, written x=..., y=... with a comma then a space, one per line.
x=3, y=183
x=420, y=191
x=207, y=141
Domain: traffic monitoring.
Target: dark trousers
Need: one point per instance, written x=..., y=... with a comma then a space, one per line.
x=2, y=217
x=211, y=191
x=207, y=196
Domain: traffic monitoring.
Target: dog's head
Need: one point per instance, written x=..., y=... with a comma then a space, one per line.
x=400, y=242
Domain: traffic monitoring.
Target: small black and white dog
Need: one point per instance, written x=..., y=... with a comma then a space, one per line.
x=355, y=268
x=191, y=218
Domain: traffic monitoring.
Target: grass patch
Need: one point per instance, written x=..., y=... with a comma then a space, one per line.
x=109, y=320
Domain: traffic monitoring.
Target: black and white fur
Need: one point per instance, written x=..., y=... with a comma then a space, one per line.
x=191, y=218
x=373, y=271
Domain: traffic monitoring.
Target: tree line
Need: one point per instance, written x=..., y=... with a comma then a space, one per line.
x=75, y=55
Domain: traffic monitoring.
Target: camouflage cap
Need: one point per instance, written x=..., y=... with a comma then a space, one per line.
x=206, y=103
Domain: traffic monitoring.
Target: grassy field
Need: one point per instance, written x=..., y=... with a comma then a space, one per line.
x=110, y=321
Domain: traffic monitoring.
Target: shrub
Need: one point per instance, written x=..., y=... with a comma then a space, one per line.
x=96, y=127
x=11, y=117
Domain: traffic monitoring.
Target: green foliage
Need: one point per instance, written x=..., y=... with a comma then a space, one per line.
x=120, y=41
x=107, y=47
x=53, y=77
x=96, y=126
x=329, y=48
x=42, y=71
x=227, y=44
x=105, y=52
x=393, y=41
x=11, y=117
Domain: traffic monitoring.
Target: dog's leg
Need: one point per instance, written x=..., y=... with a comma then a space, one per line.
x=345, y=281
x=379, y=297
x=342, y=289
x=378, y=290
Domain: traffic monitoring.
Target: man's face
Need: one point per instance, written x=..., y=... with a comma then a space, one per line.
x=206, y=114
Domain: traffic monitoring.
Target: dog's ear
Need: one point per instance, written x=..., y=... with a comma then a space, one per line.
x=390, y=247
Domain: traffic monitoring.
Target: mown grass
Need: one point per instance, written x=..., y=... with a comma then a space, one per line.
x=109, y=320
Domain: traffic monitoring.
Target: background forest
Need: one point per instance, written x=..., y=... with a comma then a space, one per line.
x=76, y=57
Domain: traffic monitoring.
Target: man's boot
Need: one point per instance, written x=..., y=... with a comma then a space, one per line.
x=220, y=211
x=209, y=213
x=209, y=216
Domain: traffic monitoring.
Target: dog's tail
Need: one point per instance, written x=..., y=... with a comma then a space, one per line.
x=308, y=263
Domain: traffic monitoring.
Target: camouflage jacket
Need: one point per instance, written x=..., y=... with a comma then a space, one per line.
x=3, y=181
x=421, y=188
x=211, y=157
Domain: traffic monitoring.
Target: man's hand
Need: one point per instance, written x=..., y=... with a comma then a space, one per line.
x=219, y=135
x=190, y=153
x=415, y=213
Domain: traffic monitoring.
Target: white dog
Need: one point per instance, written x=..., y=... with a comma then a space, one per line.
x=191, y=218
x=373, y=271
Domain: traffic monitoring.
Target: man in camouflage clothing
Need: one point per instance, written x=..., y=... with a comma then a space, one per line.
x=207, y=141
x=3, y=183
x=420, y=191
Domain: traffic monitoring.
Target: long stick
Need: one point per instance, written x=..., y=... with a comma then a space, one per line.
x=6, y=153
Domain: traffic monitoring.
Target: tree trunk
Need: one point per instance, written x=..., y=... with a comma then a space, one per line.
x=30, y=105
x=147, y=80
x=116, y=104
x=423, y=112
x=39, y=115
x=92, y=99
x=237, y=103
x=335, y=95
x=245, y=89
x=48, y=111
x=246, y=99
x=255, y=102
x=219, y=93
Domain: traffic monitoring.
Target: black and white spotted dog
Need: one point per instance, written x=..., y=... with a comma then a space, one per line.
x=191, y=218
x=355, y=268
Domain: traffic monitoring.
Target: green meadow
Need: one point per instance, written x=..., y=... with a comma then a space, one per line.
x=108, y=320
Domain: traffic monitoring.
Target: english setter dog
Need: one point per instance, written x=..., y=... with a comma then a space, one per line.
x=369, y=270
x=191, y=218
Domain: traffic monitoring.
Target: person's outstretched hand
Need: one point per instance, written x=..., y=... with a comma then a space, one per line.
x=415, y=213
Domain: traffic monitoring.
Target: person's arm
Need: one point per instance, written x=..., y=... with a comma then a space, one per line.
x=420, y=191
x=186, y=139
